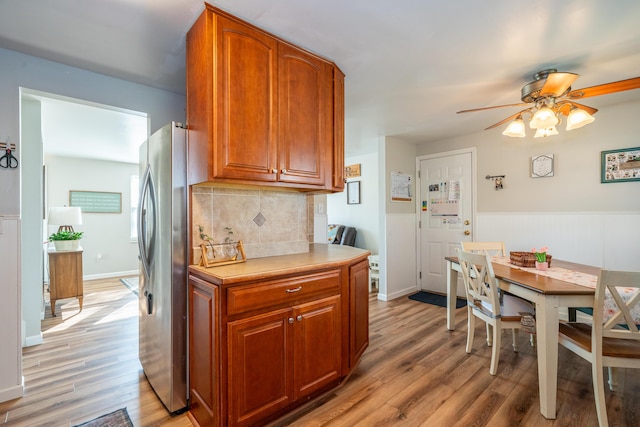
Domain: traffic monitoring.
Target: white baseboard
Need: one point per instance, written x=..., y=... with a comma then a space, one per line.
x=33, y=340
x=12, y=392
x=397, y=294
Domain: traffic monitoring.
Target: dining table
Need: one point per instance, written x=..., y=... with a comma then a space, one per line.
x=548, y=293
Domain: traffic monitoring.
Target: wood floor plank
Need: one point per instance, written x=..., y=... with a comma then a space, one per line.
x=414, y=373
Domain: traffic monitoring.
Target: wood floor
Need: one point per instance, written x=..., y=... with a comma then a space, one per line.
x=88, y=365
x=414, y=373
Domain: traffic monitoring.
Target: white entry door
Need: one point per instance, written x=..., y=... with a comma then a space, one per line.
x=446, y=212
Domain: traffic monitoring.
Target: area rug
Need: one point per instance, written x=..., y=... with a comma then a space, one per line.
x=119, y=418
x=436, y=299
x=131, y=283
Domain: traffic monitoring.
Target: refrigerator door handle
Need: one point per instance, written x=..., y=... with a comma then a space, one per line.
x=146, y=241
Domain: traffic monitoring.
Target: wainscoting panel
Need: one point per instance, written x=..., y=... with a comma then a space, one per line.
x=10, y=289
x=603, y=239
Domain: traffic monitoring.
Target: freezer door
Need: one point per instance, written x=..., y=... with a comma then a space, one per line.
x=162, y=314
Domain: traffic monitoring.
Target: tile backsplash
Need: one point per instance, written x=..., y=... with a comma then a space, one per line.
x=269, y=222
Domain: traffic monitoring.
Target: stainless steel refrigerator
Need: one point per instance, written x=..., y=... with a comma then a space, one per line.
x=162, y=233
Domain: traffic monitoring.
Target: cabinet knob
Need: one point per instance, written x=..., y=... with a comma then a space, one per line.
x=299, y=318
x=274, y=170
x=290, y=319
x=467, y=232
x=283, y=170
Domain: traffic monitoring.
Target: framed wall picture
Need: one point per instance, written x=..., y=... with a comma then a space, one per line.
x=620, y=165
x=96, y=201
x=352, y=171
x=353, y=192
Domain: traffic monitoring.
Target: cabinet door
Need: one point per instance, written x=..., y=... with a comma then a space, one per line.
x=359, y=311
x=260, y=352
x=305, y=132
x=317, y=345
x=245, y=107
x=203, y=354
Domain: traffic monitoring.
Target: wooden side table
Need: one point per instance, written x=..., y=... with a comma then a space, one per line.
x=65, y=276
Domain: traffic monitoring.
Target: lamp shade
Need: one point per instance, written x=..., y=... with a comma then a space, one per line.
x=515, y=128
x=65, y=216
x=544, y=118
x=577, y=118
x=541, y=133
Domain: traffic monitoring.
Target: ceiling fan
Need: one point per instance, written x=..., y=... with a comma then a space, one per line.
x=549, y=97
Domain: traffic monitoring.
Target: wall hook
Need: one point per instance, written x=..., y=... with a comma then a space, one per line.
x=497, y=180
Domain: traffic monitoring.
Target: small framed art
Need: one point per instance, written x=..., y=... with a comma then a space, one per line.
x=620, y=165
x=353, y=192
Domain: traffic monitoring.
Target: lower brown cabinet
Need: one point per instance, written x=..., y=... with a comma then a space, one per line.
x=282, y=356
x=260, y=349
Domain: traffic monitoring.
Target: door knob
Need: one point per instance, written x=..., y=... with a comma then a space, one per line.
x=467, y=232
x=466, y=222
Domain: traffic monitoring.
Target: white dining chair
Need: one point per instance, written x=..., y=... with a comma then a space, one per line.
x=483, y=301
x=614, y=343
x=492, y=248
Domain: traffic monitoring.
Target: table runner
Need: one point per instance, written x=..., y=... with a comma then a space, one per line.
x=582, y=279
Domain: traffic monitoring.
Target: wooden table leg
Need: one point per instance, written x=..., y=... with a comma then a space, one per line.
x=452, y=284
x=53, y=307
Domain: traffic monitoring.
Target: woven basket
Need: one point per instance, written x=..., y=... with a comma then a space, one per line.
x=525, y=259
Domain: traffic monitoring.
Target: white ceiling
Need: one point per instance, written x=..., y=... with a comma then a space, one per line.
x=409, y=64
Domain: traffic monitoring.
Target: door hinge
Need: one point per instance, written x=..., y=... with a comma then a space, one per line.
x=418, y=173
x=420, y=274
x=420, y=224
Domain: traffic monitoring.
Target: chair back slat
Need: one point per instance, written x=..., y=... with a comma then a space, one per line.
x=621, y=323
x=492, y=248
x=481, y=285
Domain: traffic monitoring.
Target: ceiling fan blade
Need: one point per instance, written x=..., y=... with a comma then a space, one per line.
x=490, y=108
x=508, y=119
x=565, y=107
x=557, y=84
x=603, y=89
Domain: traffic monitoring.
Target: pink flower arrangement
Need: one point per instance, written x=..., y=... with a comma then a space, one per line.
x=541, y=256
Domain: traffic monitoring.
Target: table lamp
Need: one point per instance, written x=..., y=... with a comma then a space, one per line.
x=65, y=217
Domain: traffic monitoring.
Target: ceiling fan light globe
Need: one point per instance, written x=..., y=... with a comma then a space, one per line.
x=543, y=133
x=515, y=129
x=544, y=118
x=577, y=118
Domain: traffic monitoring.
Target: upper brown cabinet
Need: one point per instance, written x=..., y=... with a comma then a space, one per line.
x=260, y=110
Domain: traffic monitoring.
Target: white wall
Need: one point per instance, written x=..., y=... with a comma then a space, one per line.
x=398, y=260
x=365, y=216
x=24, y=71
x=105, y=234
x=32, y=214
